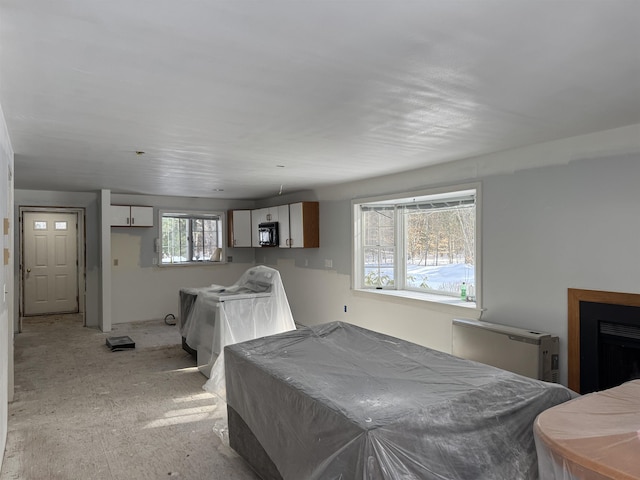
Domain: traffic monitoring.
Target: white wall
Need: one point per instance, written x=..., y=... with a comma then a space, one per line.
x=553, y=228
x=104, y=222
x=319, y=295
x=555, y=216
x=6, y=282
x=141, y=290
x=88, y=201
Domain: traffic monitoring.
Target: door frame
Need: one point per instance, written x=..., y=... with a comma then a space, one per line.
x=80, y=239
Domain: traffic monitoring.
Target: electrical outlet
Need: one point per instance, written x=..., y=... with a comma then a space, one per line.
x=328, y=263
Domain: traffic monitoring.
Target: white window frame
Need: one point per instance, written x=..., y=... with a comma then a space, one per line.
x=399, y=289
x=192, y=214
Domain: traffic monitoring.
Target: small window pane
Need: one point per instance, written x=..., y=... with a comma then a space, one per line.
x=60, y=225
x=379, y=267
x=174, y=240
x=440, y=249
x=40, y=225
x=191, y=239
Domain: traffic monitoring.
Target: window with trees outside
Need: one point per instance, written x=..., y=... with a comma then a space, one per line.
x=191, y=238
x=424, y=243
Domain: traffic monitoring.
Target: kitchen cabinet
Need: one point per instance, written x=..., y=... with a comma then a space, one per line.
x=298, y=224
x=270, y=214
x=258, y=216
x=239, y=228
x=283, y=226
x=131, y=216
x=304, y=225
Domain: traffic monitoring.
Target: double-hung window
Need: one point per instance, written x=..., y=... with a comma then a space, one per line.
x=191, y=237
x=424, y=244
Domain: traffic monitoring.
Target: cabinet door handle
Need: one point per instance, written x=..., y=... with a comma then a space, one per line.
x=133, y=220
x=128, y=220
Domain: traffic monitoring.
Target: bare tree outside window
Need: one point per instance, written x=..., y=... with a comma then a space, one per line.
x=424, y=243
x=379, y=246
x=439, y=238
x=188, y=238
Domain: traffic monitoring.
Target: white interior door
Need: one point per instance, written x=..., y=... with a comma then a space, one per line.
x=50, y=263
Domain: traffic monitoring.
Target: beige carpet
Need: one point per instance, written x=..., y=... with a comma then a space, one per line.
x=84, y=412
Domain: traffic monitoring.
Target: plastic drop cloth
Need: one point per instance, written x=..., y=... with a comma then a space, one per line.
x=216, y=316
x=341, y=402
x=593, y=437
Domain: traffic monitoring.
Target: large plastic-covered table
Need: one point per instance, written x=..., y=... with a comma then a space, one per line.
x=337, y=401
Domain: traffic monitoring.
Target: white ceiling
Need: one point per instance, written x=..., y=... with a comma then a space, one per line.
x=249, y=95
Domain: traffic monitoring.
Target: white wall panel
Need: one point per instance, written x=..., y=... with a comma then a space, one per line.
x=319, y=296
x=149, y=292
x=142, y=290
x=559, y=227
x=555, y=216
x=89, y=202
x=6, y=281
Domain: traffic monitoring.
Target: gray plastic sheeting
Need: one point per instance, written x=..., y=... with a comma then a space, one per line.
x=340, y=402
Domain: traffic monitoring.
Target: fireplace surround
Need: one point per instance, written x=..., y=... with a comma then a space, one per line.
x=603, y=339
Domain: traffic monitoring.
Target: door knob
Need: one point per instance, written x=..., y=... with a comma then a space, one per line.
x=28, y=270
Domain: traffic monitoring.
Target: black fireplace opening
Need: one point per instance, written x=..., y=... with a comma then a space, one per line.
x=609, y=345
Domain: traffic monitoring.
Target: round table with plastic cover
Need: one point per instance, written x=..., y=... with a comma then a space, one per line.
x=593, y=437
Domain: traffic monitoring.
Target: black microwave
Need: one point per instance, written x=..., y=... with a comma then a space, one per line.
x=268, y=234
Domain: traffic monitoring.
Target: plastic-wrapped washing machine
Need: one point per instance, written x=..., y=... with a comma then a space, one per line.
x=215, y=316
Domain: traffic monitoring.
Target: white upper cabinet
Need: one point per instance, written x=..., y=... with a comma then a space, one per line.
x=131, y=216
x=120, y=215
x=262, y=215
x=283, y=226
x=257, y=217
x=298, y=224
x=239, y=228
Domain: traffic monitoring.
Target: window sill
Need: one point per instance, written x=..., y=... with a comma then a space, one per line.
x=189, y=264
x=441, y=300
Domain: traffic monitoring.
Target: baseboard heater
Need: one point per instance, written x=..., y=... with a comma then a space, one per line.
x=529, y=353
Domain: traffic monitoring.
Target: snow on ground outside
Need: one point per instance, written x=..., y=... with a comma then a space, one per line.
x=438, y=277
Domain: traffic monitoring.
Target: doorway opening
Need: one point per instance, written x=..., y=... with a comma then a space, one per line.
x=52, y=262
